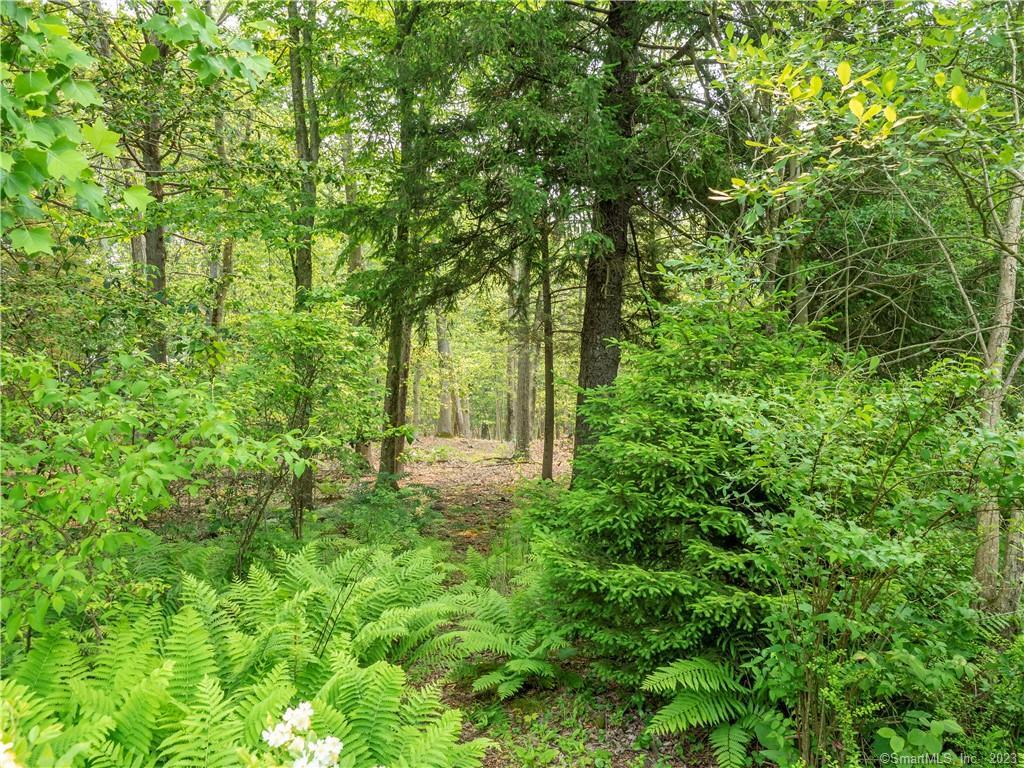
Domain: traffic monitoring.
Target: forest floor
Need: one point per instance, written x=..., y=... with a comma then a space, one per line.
x=473, y=486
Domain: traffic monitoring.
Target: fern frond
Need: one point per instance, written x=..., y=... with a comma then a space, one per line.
x=729, y=745
x=695, y=674
x=691, y=709
x=206, y=736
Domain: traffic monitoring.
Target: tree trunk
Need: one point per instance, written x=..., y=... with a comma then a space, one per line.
x=400, y=326
x=547, y=470
x=155, y=238
x=1006, y=597
x=445, y=424
x=221, y=271
x=307, y=150
x=417, y=377
x=521, y=287
x=606, y=267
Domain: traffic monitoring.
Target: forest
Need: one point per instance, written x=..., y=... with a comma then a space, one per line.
x=511, y=383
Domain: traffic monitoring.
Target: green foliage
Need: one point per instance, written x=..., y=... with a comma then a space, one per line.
x=199, y=687
x=338, y=378
x=85, y=461
x=751, y=493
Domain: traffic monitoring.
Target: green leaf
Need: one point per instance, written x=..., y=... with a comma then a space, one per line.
x=81, y=92
x=32, y=84
x=66, y=163
x=889, y=80
x=138, y=197
x=843, y=72
x=149, y=54
x=35, y=240
x=103, y=139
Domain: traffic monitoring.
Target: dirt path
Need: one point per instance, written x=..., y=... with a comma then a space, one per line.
x=475, y=483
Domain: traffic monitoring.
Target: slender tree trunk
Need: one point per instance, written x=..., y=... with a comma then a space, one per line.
x=307, y=148
x=606, y=268
x=155, y=237
x=1005, y=596
x=400, y=326
x=417, y=377
x=445, y=424
x=521, y=282
x=510, y=368
x=547, y=471
x=221, y=270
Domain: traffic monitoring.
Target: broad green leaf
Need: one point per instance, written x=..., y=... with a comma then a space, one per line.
x=30, y=84
x=66, y=164
x=34, y=240
x=940, y=79
x=102, y=139
x=138, y=198
x=81, y=92
x=150, y=53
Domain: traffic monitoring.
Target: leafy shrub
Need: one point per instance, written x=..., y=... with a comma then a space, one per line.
x=85, y=462
x=755, y=495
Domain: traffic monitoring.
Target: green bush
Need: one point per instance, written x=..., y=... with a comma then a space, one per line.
x=756, y=496
x=86, y=461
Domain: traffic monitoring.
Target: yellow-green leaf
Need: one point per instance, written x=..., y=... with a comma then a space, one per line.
x=940, y=79
x=843, y=72
x=138, y=197
x=815, y=87
x=958, y=95
x=889, y=82
x=857, y=106
x=890, y=113
x=102, y=138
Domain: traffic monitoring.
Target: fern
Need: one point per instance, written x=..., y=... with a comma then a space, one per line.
x=708, y=695
x=729, y=745
x=206, y=735
x=197, y=689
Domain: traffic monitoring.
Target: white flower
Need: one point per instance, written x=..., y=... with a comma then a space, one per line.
x=298, y=718
x=304, y=762
x=279, y=735
x=298, y=746
x=7, y=755
x=327, y=750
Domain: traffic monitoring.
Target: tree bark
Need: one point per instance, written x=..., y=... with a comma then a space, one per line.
x=986, y=563
x=445, y=424
x=155, y=237
x=606, y=268
x=400, y=326
x=521, y=286
x=417, y=377
x=307, y=152
x=547, y=470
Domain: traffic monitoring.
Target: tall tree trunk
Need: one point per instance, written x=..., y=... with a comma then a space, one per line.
x=606, y=267
x=307, y=150
x=400, y=326
x=521, y=283
x=547, y=470
x=155, y=237
x=1006, y=597
x=445, y=423
x=417, y=378
x=222, y=261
